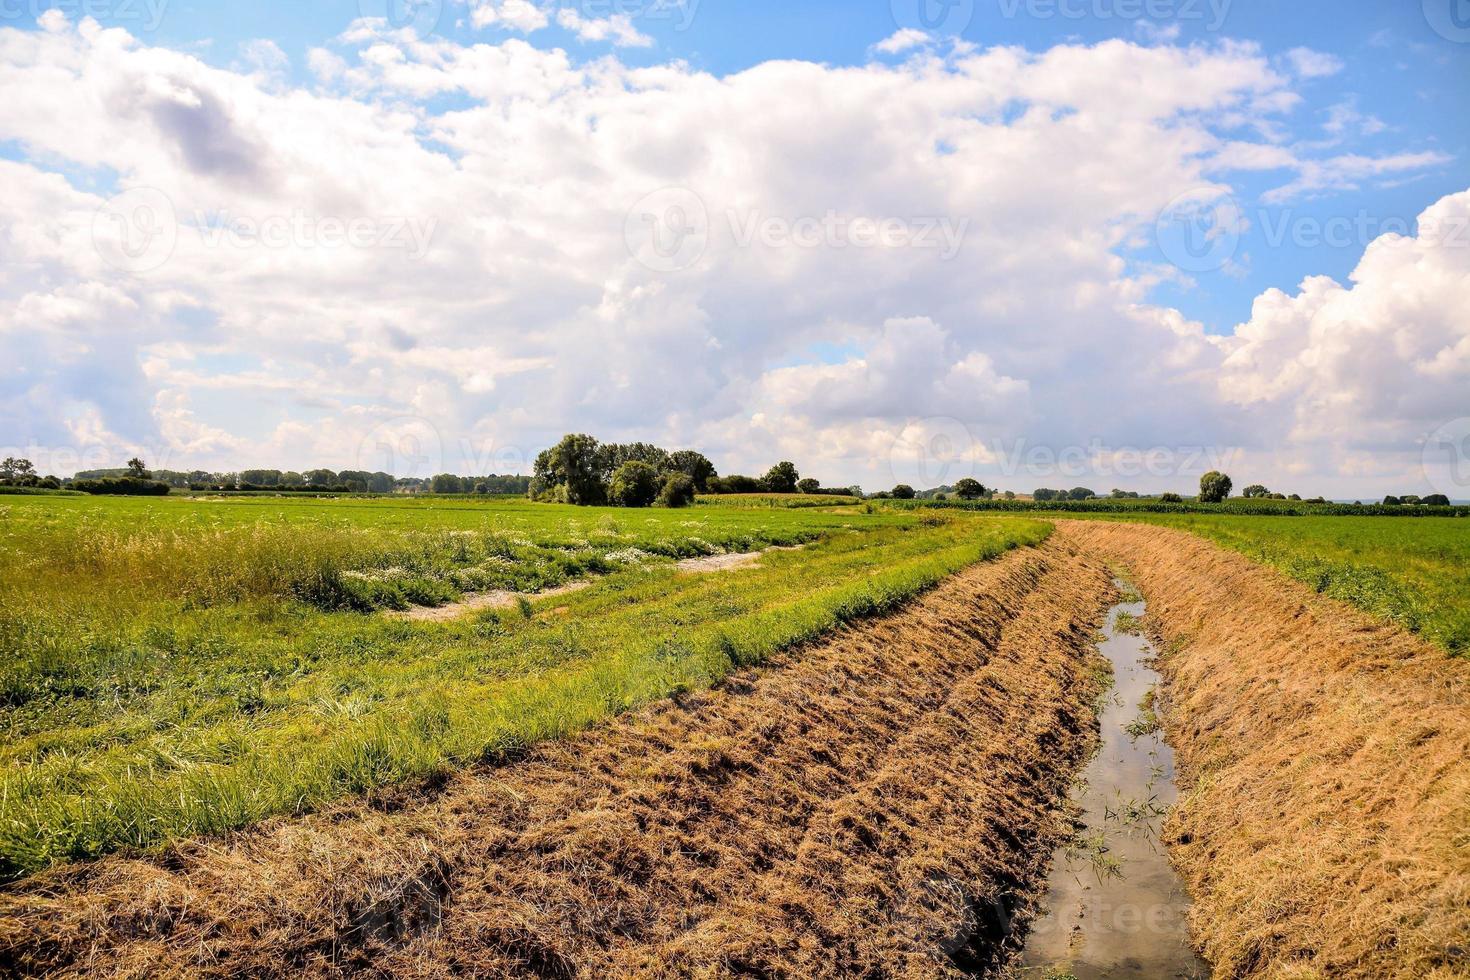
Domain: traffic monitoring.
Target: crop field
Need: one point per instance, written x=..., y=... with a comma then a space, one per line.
x=186, y=666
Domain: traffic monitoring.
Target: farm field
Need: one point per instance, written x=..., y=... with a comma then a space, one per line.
x=183, y=666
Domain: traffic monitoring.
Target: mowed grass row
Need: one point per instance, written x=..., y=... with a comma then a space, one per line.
x=1415, y=573
x=147, y=706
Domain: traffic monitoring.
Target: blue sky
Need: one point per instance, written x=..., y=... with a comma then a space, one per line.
x=1127, y=212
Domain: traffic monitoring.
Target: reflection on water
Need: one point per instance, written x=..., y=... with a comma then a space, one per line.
x=1114, y=907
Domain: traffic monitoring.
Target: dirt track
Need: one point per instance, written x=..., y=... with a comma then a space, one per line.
x=877, y=805
x=1325, y=827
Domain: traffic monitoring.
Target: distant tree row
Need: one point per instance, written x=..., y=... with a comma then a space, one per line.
x=1410, y=500
x=1076, y=493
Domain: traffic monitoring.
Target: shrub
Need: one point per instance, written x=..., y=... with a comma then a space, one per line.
x=634, y=484
x=678, y=491
x=1214, y=487
x=1436, y=500
x=1170, y=498
x=1391, y=501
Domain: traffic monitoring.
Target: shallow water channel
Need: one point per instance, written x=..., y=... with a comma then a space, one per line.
x=1114, y=907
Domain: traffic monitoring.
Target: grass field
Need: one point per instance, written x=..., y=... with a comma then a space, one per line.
x=177, y=666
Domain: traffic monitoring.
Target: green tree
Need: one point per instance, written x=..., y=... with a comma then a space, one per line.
x=1080, y=493
x=694, y=465
x=1044, y=494
x=137, y=468
x=1214, y=487
x=1170, y=498
x=572, y=470
x=903, y=492
x=969, y=488
x=634, y=484
x=321, y=478
x=446, y=483
x=1254, y=490
x=808, y=485
x=782, y=478
x=678, y=490
x=15, y=469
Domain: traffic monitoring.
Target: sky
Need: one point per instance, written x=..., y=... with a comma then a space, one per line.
x=1107, y=243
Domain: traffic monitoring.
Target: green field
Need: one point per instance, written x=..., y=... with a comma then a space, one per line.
x=177, y=665
x=1415, y=573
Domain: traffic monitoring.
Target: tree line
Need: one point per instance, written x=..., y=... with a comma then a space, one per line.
x=581, y=470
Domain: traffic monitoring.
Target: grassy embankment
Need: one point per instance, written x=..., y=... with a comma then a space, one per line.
x=1415, y=573
x=1411, y=568
x=175, y=667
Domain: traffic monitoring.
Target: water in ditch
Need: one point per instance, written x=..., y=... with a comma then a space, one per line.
x=1114, y=907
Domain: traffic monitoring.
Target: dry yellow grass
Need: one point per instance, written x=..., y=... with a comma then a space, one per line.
x=879, y=804
x=1325, y=827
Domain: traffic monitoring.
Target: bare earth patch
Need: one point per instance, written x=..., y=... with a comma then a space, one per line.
x=878, y=804
x=479, y=601
x=1325, y=825
x=501, y=599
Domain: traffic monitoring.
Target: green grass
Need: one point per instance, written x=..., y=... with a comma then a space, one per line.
x=177, y=666
x=766, y=500
x=1415, y=573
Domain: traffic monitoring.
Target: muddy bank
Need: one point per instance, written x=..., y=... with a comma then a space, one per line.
x=1324, y=829
x=873, y=805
